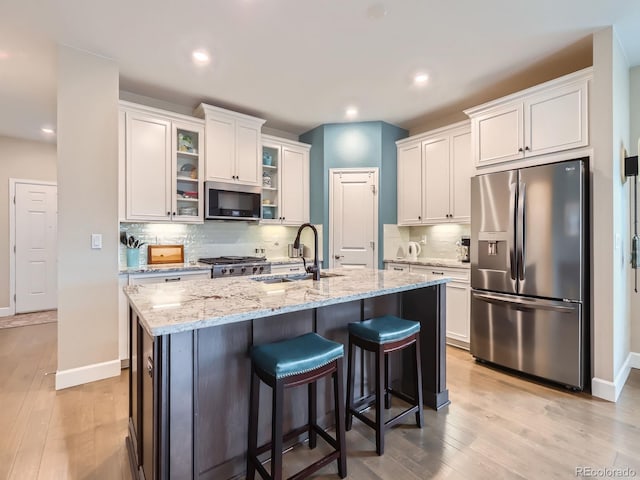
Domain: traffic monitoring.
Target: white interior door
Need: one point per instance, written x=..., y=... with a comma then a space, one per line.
x=353, y=225
x=36, y=209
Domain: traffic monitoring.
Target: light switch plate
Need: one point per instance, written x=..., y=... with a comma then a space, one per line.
x=96, y=241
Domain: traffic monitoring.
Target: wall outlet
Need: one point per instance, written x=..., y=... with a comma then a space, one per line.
x=423, y=240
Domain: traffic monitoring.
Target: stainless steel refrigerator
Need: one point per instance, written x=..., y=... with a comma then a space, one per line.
x=528, y=270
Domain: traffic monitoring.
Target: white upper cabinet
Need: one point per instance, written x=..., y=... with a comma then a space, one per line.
x=233, y=146
x=548, y=118
x=285, y=181
x=436, y=184
x=410, y=179
x=148, y=173
x=161, y=163
x=434, y=171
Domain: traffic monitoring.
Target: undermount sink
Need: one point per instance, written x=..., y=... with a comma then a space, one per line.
x=295, y=278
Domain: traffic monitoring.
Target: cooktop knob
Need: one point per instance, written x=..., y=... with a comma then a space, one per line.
x=255, y=269
x=243, y=269
x=223, y=271
x=230, y=271
x=261, y=269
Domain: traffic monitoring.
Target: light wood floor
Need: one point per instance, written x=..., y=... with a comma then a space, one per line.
x=498, y=426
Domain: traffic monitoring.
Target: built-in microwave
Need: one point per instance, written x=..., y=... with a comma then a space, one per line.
x=228, y=201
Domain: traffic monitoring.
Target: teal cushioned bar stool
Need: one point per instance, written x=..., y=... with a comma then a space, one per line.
x=298, y=361
x=383, y=335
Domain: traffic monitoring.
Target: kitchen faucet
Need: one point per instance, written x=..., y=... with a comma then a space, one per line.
x=315, y=268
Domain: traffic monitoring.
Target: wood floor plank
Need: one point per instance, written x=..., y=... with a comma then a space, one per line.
x=498, y=426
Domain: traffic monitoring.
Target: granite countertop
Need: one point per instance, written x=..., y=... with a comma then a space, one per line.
x=166, y=268
x=435, y=262
x=166, y=308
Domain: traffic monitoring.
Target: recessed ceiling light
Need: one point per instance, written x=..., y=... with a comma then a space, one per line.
x=351, y=112
x=200, y=57
x=420, y=79
x=47, y=130
x=376, y=11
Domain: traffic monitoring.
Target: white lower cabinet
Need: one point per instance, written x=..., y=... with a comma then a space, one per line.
x=398, y=267
x=146, y=278
x=458, y=302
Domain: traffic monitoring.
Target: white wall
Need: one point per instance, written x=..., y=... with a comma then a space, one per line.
x=609, y=129
x=634, y=308
x=87, y=203
x=621, y=144
x=24, y=159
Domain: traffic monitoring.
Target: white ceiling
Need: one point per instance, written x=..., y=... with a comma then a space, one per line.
x=299, y=63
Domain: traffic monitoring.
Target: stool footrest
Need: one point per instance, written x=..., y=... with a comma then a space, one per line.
x=285, y=438
x=364, y=402
x=366, y=420
x=314, y=467
x=397, y=418
x=311, y=468
x=402, y=396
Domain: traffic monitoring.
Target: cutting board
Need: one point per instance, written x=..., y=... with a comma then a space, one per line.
x=165, y=254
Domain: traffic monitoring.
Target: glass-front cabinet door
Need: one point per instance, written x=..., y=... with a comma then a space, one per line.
x=270, y=197
x=188, y=172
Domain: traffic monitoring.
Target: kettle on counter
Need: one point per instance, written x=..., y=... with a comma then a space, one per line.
x=413, y=250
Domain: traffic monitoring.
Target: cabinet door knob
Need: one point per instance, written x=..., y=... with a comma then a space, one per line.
x=520, y=149
x=527, y=148
x=419, y=217
x=169, y=213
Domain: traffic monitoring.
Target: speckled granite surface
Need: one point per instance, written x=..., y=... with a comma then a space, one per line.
x=436, y=262
x=177, y=307
x=166, y=267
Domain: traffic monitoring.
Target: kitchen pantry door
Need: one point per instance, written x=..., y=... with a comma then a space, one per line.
x=36, y=271
x=353, y=221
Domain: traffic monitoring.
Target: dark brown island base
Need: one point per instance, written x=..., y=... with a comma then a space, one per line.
x=190, y=365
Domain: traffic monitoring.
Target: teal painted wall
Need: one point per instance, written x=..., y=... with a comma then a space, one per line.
x=353, y=145
x=315, y=138
x=388, y=206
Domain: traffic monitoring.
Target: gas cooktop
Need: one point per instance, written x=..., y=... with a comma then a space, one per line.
x=234, y=266
x=231, y=260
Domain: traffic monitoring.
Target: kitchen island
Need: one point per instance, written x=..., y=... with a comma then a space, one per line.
x=190, y=365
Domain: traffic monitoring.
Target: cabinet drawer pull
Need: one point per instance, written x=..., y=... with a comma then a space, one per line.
x=400, y=269
x=150, y=366
x=294, y=269
x=437, y=273
x=173, y=279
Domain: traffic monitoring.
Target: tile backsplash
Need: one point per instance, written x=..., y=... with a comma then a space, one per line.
x=217, y=238
x=437, y=241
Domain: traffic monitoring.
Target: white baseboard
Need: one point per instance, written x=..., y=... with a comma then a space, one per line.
x=89, y=373
x=6, y=311
x=611, y=390
x=634, y=360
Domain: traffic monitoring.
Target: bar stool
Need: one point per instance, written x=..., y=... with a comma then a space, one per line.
x=383, y=335
x=299, y=361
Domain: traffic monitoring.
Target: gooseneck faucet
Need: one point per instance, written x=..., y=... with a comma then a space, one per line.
x=315, y=268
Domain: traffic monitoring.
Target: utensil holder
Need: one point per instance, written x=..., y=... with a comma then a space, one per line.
x=133, y=257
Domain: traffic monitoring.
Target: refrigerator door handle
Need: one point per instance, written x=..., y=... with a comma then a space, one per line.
x=511, y=233
x=523, y=303
x=522, y=195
